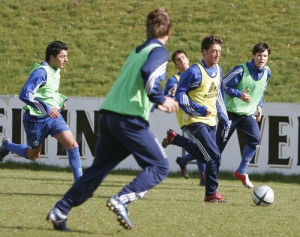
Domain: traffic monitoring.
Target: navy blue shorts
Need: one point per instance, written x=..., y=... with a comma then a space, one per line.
x=38, y=130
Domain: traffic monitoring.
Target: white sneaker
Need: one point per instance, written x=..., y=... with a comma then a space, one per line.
x=244, y=178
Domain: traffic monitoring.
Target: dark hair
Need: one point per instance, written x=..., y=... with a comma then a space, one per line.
x=158, y=23
x=176, y=53
x=261, y=47
x=210, y=40
x=54, y=49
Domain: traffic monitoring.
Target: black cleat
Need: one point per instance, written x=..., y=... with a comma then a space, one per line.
x=184, y=170
x=58, y=219
x=3, y=151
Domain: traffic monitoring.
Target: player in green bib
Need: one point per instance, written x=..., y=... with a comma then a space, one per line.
x=43, y=104
x=244, y=86
x=124, y=127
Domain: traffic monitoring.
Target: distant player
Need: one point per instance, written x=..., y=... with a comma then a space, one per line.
x=42, y=115
x=181, y=62
x=245, y=85
x=124, y=127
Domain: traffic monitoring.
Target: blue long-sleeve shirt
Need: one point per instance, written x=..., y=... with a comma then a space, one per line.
x=172, y=81
x=234, y=76
x=192, y=79
x=154, y=71
x=37, y=79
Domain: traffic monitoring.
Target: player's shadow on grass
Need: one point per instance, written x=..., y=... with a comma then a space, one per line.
x=226, y=175
x=2, y=177
x=24, y=228
x=30, y=194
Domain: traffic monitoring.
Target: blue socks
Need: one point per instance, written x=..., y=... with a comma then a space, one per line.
x=248, y=154
x=18, y=149
x=75, y=162
x=73, y=155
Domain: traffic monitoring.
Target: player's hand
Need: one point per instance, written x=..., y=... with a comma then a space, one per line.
x=170, y=105
x=173, y=90
x=54, y=112
x=245, y=96
x=259, y=113
x=208, y=112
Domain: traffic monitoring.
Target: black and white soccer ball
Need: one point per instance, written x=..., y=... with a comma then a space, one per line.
x=263, y=196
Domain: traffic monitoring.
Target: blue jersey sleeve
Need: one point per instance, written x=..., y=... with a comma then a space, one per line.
x=36, y=80
x=189, y=80
x=154, y=71
x=231, y=79
x=221, y=108
x=172, y=81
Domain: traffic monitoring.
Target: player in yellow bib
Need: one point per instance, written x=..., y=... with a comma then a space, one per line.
x=200, y=96
x=181, y=62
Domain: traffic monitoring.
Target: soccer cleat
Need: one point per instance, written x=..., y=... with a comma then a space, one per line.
x=169, y=138
x=3, y=151
x=184, y=171
x=217, y=197
x=58, y=219
x=115, y=205
x=244, y=178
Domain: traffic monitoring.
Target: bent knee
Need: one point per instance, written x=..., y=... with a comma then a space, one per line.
x=33, y=154
x=163, y=171
x=32, y=157
x=72, y=145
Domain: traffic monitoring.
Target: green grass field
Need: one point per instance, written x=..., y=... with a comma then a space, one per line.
x=101, y=34
x=173, y=208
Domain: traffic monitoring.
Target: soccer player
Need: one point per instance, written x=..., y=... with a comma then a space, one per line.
x=181, y=62
x=244, y=94
x=200, y=96
x=124, y=127
x=42, y=115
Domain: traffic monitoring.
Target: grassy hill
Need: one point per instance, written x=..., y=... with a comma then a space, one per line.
x=100, y=35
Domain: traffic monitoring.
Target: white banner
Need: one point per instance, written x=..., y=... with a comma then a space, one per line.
x=279, y=152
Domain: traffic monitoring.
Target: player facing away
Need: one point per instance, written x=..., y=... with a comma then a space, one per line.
x=124, y=127
x=181, y=62
x=200, y=95
x=244, y=95
x=42, y=115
